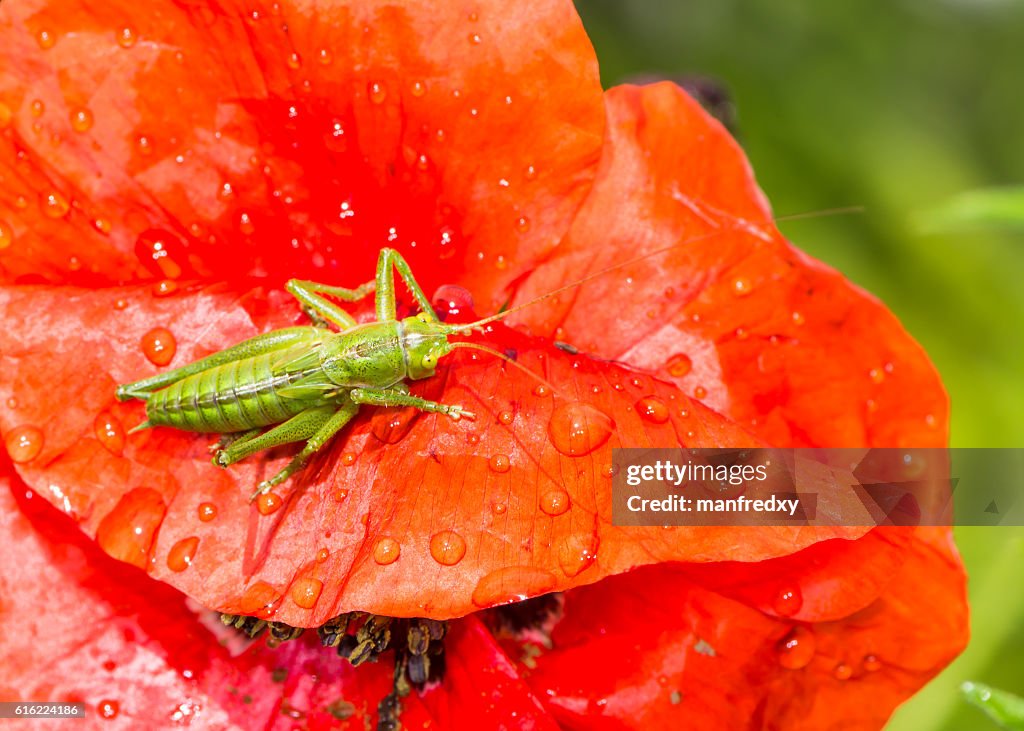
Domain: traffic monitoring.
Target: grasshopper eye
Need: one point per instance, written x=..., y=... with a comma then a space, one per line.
x=429, y=361
x=423, y=317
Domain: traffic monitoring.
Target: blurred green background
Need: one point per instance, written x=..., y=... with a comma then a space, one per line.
x=900, y=106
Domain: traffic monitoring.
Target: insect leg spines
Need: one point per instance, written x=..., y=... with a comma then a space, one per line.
x=395, y=397
x=388, y=263
x=266, y=343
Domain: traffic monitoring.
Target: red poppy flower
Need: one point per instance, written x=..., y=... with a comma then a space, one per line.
x=163, y=172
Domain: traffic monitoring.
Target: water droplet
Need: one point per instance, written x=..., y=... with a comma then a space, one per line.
x=164, y=288
x=391, y=425
x=522, y=224
x=555, y=502
x=159, y=346
x=294, y=61
x=506, y=417
x=181, y=554
x=5, y=115
x=306, y=592
x=451, y=301
x=24, y=443
x=102, y=225
x=109, y=432
x=498, y=508
x=377, y=92
x=260, y=600
x=156, y=250
x=512, y=584
x=474, y=38
x=842, y=671
x=500, y=463
x=796, y=650
x=700, y=393
x=6, y=235
x=12, y=403
x=143, y=145
x=268, y=502
x=577, y=553
x=127, y=532
x=46, y=39
x=422, y=163
x=386, y=551
x=798, y=318
x=340, y=495
x=788, y=601
x=577, y=428
x=929, y=419
x=653, y=409
x=324, y=57
x=418, y=88
x=877, y=375
x=871, y=663
x=447, y=547
x=126, y=37
x=322, y=555
x=741, y=287
x=679, y=365
x=81, y=120
x=108, y=708
x=207, y=512
x=54, y=205
x=245, y=224
x=541, y=390
x=348, y=459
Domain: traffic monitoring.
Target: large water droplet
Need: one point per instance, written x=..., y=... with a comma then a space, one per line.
x=386, y=551
x=377, y=92
x=159, y=346
x=109, y=432
x=653, y=409
x=788, y=601
x=268, y=502
x=24, y=443
x=260, y=600
x=107, y=708
x=54, y=205
x=453, y=303
x=555, y=502
x=81, y=119
x=391, y=425
x=499, y=463
x=447, y=547
x=306, y=592
x=158, y=251
x=796, y=650
x=741, y=287
x=181, y=554
x=577, y=428
x=127, y=532
x=679, y=365
x=842, y=671
x=577, y=553
x=512, y=584
x=207, y=512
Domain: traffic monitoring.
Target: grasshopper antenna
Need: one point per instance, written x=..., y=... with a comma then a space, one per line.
x=478, y=325
x=507, y=359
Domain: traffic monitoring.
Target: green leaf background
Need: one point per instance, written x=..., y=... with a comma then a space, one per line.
x=914, y=110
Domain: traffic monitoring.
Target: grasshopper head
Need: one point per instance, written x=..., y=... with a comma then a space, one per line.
x=425, y=343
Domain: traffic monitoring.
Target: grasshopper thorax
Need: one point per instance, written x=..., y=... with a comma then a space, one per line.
x=424, y=343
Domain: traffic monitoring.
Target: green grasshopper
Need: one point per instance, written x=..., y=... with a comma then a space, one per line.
x=307, y=382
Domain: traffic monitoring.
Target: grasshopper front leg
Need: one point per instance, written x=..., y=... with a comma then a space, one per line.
x=395, y=397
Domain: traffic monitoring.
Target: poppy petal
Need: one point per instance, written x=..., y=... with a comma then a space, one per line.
x=280, y=139
x=648, y=650
x=517, y=503
x=728, y=309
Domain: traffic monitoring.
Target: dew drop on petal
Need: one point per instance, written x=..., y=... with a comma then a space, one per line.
x=522, y=224
x=391, y=425
x=700, y=393
x=871, y=663
x=679, y=365
x=109, y=432
x=577, y=428
x=143, y=145
x=348, y=459
x=788, y=601
x=260, y=600
x=54, y=205
x=447, y=547
x=842, y=671
x=268, y=502
x=127, y=532
x=6, y=235
x=306, y=592
x=555, y=502
x=294, y=61
x=46, y=39
x=24, y=443
x=164, y=288
x=340, y=495
x=877, y=375
x=155, y=250
x=652, y=409
x=107, y=708
x=207, y=512
x=499, y=463
x=322, y=555
x=796, y=650
x=506, y=417
x=245, y=224
x=324, y=57
x=159, y=346
x=377, y=92
x=798, y=318
x=418, y=88
x=126, y=37
x=181, y=554
x=741, y=287
x=37, y=107
x=81, y=120
x=498, y=508
x=102, y=225
x=386, y=551
x=512, y=584
x=577, y=553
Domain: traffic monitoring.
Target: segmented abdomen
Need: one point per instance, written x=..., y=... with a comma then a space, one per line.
x=232, y=397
